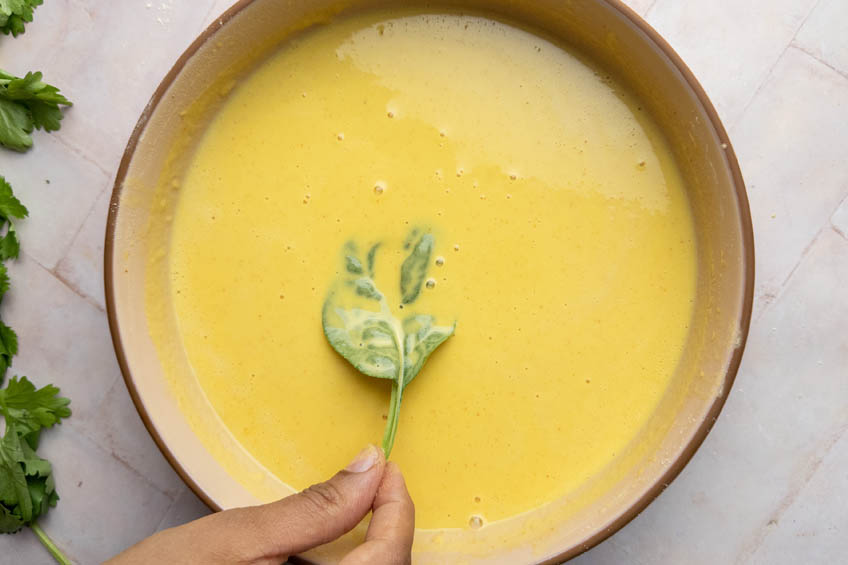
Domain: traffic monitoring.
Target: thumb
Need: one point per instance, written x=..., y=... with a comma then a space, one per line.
x=315, y=516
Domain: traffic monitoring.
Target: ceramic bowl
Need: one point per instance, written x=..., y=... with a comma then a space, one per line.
x=616, y=39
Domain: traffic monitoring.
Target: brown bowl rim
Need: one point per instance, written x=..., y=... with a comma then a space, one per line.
x=747, y=244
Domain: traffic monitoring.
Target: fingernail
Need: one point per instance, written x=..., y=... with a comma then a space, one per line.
x=366, y=459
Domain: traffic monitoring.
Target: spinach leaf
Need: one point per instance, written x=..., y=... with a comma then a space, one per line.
x=360, y=326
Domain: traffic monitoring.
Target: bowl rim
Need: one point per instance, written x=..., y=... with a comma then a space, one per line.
x=747, y=246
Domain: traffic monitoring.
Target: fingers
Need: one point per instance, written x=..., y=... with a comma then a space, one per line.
x=304, y=520
x=324, y=511
x=389, y=537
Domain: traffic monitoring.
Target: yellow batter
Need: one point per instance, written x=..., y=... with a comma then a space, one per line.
x=568, y=247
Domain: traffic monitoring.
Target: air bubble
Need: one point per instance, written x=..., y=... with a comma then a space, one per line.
x=440, y=261
x=476, y=522
x=431, y=283
x=340, y=136
x=456, y=247
x=379, y=188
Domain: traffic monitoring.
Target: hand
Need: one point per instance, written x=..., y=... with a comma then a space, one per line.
x=270, y=533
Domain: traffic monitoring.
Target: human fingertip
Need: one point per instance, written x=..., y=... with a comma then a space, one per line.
x=365, y=460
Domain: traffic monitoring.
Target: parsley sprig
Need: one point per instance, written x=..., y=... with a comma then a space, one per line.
x=27, y=487
x=26, y=104
x=15, y=13
x=10, y=208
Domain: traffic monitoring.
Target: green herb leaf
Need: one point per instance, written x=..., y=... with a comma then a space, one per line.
x=8, y=348
x=366, y=288
x=15, y=126
x=14, y=494
x=414, y=269
x=25, y=104
x=372, y=256
x=9, y=523
x=27, y=487
x=421, y=338
x=30, y=409
x=14, y=14
x=4, y=280
x=370, y=337
x=366, y=339
x=353, y=265
x=10, y=206
x=40, y=482
x=10, y=247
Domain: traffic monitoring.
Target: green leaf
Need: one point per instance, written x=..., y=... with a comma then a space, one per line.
x=353, y=265
x=366, y=288
x=31, y=87
x=10, y=206
x=25, y=104
x=45, y=116
x=14, y=494
x=370, y=337
x=31, y=409
x=34, y=466
x=27, y=487
x=371, y=259
x=4, y=280
x=421, y=338
x=368, y=340
x=14, y=14
x=15, y=125
x=40, y=482
x=9, y=523
x=413, y=271
x=8, y=348
x=10, y=247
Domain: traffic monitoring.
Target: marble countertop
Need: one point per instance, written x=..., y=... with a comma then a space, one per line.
x=770, y=483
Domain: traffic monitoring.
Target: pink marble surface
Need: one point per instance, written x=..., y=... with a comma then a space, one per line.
x=770, y=483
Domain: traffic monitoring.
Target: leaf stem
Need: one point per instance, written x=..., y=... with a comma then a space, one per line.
x=392, y=421
x=48, y=543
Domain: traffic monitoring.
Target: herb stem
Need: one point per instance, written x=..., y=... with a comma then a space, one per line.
x=392, y=421
x=48, y=543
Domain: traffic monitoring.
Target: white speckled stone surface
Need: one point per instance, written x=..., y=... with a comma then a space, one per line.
x=769, y=485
